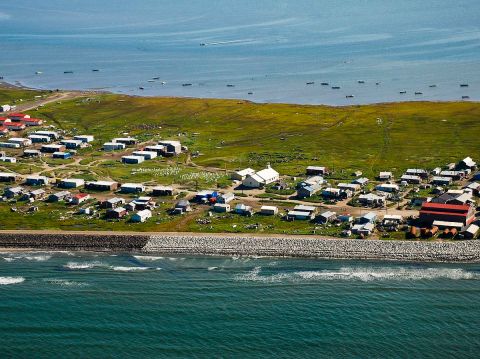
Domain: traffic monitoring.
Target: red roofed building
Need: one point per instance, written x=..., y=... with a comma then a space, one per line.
x=80, y=198
x=4, y=119
x=18, y=116
x=3, y=130
x=431, y=212
x=14, y=126
x=32, y=121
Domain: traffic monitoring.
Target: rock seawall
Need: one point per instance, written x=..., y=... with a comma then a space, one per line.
x=74, y=241
x=460, y=251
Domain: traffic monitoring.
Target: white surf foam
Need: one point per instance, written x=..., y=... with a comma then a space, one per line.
x=212, y=268
x=133, y=269
x=148, y=258
x=40, y=257
x=65, y=282
x=11, y=280
x=83, y=265
x=364, y=274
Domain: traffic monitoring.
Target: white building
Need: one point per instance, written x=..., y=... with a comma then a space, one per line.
x=84, y=138
x=261, y=178
x=242, y=174
x=71, y=183
x=269, y=210
x=142, y=216
x=24, y=142
x=132, y=159
x=148, y=155
x=132, y=188
x=387, y=187
x=113, y=146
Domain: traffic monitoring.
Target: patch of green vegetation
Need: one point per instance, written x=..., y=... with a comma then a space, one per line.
x=17, y=95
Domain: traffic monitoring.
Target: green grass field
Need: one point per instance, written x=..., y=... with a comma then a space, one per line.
x=232, y=134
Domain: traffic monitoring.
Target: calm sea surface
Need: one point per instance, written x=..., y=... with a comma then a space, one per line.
x=70, y=305
x=269, y=48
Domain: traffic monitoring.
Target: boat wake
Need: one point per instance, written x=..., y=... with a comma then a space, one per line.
x=11, y=280
x=363, y=274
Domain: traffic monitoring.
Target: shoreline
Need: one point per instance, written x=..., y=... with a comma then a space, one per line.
x=225, y=244
x=19, y=85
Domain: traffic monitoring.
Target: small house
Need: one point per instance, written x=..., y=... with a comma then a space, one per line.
x=269, y=210
x=39, y=139
x=113, y=202
x=363, y=229
x=332, y=193
x=52, y=134
x=304, y=208
x=12, y=192
x=84, y=138
x=441, y=181
x=147, y=155
x=412, y=179
x=30, y=122
x=369, y=217
x=326, y=217
x=80, y=198
x=132, y=188
x=8, y=159
x=52, y=148
x=71, y=183
x=385, y=176
x=59, y=196
x=127, y=141
x=8, y=177
x=417, y=172
x=471, y=232
x=362, y=181
x=387, y=187
x=23, y=142
x=243, y=210
x=116, y=213
x=72, y=144
x=36, y=194
x=132, y=159
x=308, y=191
x=226, y=197
x=206, y=196
x=182, y=207
x=317, y=170
x=142, y=216
x=62, y=155
x=454, y=175
x=172, y=148
x=9, y=145
x=372, y=200
x=467, y=163
x=102, y=185
x=31, y=153
x=162, y=191
x=299, y=215
x=36, y=180
x=221, y=207
x=242, y=174
x=144, y=202
x=353, y=187
x=113, y=146
x=158, y=149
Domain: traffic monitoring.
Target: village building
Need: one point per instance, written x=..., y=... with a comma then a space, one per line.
x=182, y=207
x=8, y=159
x=113, y=202
x=464, y=198
x=113, y=146
x=243, y=210
x=475, y=187
x=132, y=159
x=353, y=187
x=431, y=212
x=147, y=155
x=144, y=202
x=17, y=116
x=162, y=191
x=62, y=155
x=35, y=195
x=372, y=200
x=308, y=190
x=12, y=192
x=206, y=196
x=441, y=181
x=142, y=216
x=80, y=198
x=52, y=134
x=311, y=181
x=71, y=183
x=385, y=176
x=84, y=138
x=300, y=215
x=362, y=181
x=269, y=210
x=471, y=232
x=72, y=144
x=8, y=177
x=317, y=170
x=36, y=180
x=23, y=142
x=261, y=178
x=51, y=148
x=14, y=126
x=31, y=153
x=30, y=122
x=326, y=217
x=363, y=229
x=332, y=193
x=59, y=196
x=102, y=185
x=9, y=145
x=158, y=149
x=5, y=108
x=387, y=187
x=226, y=197
x=3, y=130
x=127, y=141
x=418, y=201
x=417, y=172
x=221, y=207
x=412, y=179
x=242, y=174
x=369, y=217
x=116, y=213
x=392, y=219
x=454, y=175
x=132, y=188
x=172, y=148
x=466, y=163
x=39, y=139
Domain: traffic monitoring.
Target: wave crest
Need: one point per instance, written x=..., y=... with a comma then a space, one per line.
x=11, y=280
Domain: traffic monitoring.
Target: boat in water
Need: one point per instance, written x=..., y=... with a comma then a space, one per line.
x=361, y=81
x=465, y=97
x=350, y=96
x=141, y=88
x=95, y=70
x=402, y=92
x=250, y=93
x=310, y=83
x=324, y=84
x=463, y=85
x=418, y=93
x=230, y=85
x=38, y=72
x=432, y=86
x=187, y=84
x=155, y=78
x=68, y=72
x=335, y=87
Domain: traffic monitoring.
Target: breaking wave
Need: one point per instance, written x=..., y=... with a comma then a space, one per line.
x=133, y=269
x=148, y=258
x=363, y=274
x=212, y=268
x=30, y=257
x=84, y=265
x=66, y=283
x=11, y=280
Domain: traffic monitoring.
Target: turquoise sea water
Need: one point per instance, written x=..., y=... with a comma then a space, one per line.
x=71, y=305
x=270, y=48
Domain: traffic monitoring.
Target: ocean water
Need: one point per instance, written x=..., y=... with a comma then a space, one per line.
x=72, y=305
x=269, y=48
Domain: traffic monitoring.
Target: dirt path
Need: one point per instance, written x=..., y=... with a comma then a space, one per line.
x=56, y=96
